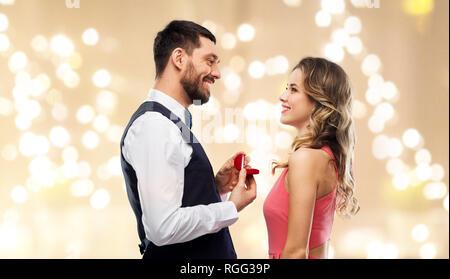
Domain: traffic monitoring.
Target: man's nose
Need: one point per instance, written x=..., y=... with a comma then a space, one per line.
x=215, y=72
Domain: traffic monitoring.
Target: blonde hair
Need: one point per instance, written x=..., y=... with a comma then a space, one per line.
x=331, y=124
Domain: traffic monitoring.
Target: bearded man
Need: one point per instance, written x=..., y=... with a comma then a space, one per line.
x=180, y=205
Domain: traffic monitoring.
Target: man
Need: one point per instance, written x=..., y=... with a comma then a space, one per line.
x=178, y=201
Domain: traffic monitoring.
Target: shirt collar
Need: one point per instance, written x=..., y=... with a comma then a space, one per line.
x=170, y=103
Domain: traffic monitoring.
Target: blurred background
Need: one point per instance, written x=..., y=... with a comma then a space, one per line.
x=73, y=72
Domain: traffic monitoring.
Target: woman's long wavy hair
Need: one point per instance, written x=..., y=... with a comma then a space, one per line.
x=331, y=124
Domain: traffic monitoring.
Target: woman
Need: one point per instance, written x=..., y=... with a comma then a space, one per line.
x=317, y=180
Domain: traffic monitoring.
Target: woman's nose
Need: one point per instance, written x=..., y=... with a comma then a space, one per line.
x=283, y=96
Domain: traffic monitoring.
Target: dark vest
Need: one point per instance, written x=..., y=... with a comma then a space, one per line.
x=199, y=189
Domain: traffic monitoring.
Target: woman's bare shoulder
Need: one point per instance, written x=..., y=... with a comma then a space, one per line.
x=308, y=157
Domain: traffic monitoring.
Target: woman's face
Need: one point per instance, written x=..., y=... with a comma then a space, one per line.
x=296, y=104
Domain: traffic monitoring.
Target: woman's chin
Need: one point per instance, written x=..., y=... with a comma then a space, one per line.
x=283, y=120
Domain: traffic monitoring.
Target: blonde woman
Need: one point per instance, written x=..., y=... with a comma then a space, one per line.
x=317, y=180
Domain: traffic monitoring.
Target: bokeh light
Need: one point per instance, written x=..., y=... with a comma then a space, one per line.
x=371, y=64
x=323, y=19
x=423, y=171
x=17, y=61
x=39, y=43
x=246, y=32
x=231, y=79
x=62, y=45
x=333, y=6
x=334, y=52
x=435, y=190
x=90, y=37
x=256, y=69
x=60, y=112
x=4, y=23
x=82, y=188
x=420, y=233
x=228, y=41
x=423, y=156
x=292, y=3
x=85, y=114
x=354, y=45
x=69, y=153
x=101, y=78
x=428, y=251
x=401, y=181
x=418, y=7
x=59, y=136
x=237, y=63
x=100, y=199
x=4, y=42
x=411, y=138
x=101, y=123
x=90, y=139
x=352, y=25
x=9, y=152
x=437, y=172
x=19, y=194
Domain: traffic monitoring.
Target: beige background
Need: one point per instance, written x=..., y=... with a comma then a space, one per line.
x=413, y=50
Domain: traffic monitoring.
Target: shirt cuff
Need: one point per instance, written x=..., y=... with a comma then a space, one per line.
x=224, y=197
x=229, y=213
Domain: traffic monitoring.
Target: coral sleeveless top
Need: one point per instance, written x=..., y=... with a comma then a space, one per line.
x=276, y=212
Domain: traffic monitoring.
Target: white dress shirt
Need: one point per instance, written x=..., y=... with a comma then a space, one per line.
x=157, y=152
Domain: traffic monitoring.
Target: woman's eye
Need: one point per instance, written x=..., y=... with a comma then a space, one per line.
x=293, y=90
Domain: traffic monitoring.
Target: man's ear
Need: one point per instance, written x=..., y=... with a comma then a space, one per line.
x=178, y=58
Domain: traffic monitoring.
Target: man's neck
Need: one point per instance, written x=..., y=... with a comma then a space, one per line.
x=174, y=90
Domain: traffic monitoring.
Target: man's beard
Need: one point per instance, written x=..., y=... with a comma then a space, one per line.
x=192, y=83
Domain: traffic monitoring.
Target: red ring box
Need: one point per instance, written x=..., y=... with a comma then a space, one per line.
x=239, y=163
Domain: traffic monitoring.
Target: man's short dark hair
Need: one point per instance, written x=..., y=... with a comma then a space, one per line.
x=178, y=33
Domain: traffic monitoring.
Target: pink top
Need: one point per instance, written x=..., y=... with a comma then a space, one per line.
x=276, y=211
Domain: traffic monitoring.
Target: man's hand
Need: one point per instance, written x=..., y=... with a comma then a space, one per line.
x=245, y=191
x=227, y=177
